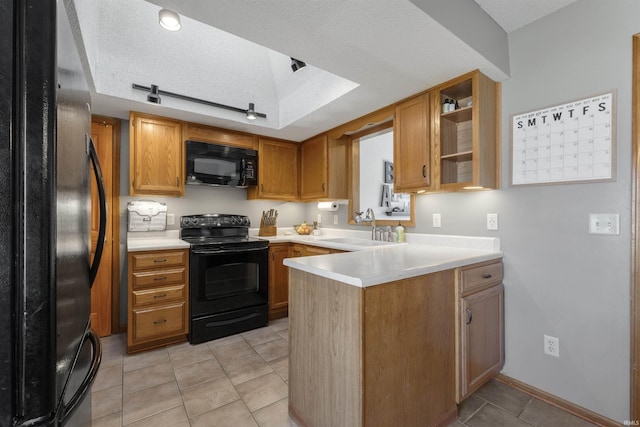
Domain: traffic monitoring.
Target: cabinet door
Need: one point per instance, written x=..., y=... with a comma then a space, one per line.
x=411, y=148
x=314, y=168
x=297, y=251
x=278, y=281
x=315, y=250
x=157, y=161
x=278, y=170
x=482, y=338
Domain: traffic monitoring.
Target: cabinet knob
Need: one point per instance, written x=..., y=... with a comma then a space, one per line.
x=160, y=322
x=160, y=260
x=487, y=276
x=158, y=279
x=424, y=171
x=469, y=316
x=159, y=296
x=323, y=186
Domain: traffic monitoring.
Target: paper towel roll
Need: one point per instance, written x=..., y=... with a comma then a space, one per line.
x=328, y=206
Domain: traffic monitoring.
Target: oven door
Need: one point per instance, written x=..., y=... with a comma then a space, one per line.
x=227, y=280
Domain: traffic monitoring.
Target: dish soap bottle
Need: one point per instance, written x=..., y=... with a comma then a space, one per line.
x=400, y=232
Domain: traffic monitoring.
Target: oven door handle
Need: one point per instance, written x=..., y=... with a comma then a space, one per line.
x=225, y=251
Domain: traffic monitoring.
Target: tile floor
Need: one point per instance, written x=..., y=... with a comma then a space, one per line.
x=241, y=381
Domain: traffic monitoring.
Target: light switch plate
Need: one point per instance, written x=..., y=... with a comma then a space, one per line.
x=604, y=223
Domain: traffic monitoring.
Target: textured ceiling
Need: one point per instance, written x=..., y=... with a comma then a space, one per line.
x=385, y=50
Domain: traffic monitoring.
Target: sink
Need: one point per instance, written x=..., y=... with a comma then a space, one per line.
x=354, y=241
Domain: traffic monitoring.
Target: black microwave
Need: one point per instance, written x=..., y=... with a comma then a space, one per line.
x=222, y=165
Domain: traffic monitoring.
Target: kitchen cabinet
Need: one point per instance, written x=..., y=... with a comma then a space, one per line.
x=158, y=298
x=298, y=250
x=203, y=133
x=465, y=140
x=278, y=280
x=480, y=326
x=156, y=156
x=323, y=168
x=411, y=145
x=373, y=356
x=277, y=170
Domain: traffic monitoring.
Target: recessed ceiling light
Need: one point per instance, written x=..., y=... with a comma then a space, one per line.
x=169, y=20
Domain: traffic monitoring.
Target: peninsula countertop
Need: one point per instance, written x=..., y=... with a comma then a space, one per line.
x=385, y=264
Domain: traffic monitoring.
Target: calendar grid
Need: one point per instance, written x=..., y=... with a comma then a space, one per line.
x=566, y=143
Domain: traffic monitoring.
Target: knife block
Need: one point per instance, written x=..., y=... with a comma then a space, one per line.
x=267, y=230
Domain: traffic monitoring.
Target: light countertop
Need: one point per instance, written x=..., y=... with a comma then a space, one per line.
x=155, y=240
x=361, y=265
x=387, y=264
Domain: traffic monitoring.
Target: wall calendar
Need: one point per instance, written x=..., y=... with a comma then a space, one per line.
x=567, y=143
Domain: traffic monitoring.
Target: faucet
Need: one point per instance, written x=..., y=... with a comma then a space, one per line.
x=371, y=218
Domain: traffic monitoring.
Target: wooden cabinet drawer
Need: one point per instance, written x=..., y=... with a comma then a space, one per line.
x=159, y=296
x=480, y=276
x=156, y=322
x=143, y=261
x=159, y=277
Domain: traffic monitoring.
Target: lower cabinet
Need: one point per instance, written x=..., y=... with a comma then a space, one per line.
x=279, y=273
x=278, y=280
x=480, y=326
x=158, y=298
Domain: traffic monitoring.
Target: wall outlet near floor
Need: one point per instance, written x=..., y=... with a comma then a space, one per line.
x=437, y=220
x=551, y=346
x=604, y=224
x=335, y=220
x=492, y=221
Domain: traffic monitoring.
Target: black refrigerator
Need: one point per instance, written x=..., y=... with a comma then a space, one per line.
x=48, y=354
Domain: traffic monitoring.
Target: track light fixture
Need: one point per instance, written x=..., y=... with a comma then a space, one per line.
x=155, y=92
x=153, y=96
x=296, y=64
x=251, y=113
x=169, y=20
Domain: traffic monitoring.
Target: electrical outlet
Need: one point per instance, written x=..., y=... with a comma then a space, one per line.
x=437, y=220
x=319, y=218
x=171, y=219
x=335, y=220
x=492, y=221
x=551, y=346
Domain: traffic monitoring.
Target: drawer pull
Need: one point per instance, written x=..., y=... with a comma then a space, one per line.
x=487, y=276
x=160, y=260
x=157, y=279
x=159, y=296
x=469, y=316
x=160, y=322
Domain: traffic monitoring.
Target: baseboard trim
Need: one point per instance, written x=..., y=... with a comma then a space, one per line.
x=565, y=405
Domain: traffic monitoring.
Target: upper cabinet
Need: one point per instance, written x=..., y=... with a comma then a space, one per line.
x=198, y=132
x=156, y=156
x=323, y=168
x=466, y=140
x=277, y=170
x=411, y=145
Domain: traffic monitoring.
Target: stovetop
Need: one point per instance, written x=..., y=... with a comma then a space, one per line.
x=218, y=232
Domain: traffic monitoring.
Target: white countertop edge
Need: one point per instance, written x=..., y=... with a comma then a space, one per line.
x=330, y=268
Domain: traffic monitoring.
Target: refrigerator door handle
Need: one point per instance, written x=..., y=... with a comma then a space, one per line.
x=66, y=410
x=93, y=154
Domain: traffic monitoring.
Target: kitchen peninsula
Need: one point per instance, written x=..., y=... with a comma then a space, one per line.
x=374, y=334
